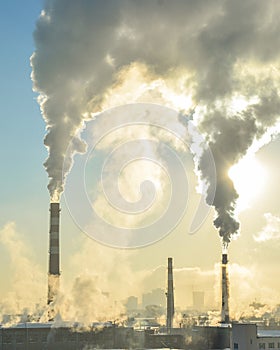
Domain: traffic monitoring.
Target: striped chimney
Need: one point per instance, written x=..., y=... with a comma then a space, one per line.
x=54, y=270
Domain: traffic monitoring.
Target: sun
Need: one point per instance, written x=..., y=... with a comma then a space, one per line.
x=249, y=178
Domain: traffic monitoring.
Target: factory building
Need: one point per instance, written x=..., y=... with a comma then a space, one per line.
x=38, y=336
x=246, y=336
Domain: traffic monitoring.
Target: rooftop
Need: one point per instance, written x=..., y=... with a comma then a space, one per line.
x=269, y=333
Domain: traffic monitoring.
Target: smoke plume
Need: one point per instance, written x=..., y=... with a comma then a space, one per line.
x=24, y=275
x=86, y=295
x=222, y=54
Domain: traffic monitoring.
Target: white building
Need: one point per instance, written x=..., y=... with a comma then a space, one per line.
x=246, y=336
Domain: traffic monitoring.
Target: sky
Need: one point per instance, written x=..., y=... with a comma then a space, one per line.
x=21, y=129
x=89, y=267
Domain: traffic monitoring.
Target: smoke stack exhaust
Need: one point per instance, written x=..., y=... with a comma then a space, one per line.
x=170, y=297
x=225, y=290
x=54, y=270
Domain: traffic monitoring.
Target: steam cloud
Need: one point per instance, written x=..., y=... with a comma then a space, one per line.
x=25, y=275
x=82, y=298
x=270, y=231
x=223, y=54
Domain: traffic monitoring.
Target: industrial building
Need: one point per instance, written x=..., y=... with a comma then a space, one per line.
x=38, y=336
x=247, y=336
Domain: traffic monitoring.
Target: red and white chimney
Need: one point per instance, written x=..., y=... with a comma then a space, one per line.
x=54, y=256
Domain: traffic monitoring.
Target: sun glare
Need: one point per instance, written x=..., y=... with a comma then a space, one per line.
x=249, y=178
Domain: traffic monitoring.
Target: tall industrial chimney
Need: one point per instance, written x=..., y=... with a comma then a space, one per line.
x=54, y=271
x=170, y=297
x=225, y=290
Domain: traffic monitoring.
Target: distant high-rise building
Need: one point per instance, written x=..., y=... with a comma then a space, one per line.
x=131, y=303
x=198, y=300
x=155, y=297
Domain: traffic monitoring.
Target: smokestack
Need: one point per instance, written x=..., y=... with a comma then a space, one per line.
x=225, y=290
x=54, y=271
x=170, y=297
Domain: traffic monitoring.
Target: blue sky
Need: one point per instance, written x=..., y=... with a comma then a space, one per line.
x=23, y=178
x=22, y=127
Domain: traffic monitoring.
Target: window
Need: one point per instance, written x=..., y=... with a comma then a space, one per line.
x=261, y=345
x=235, y=346
x=59, y=337
x=72, y=336
x=271, y=345
x=7, y=338
x=33, y=337
x=44, y=336
x=20, y=338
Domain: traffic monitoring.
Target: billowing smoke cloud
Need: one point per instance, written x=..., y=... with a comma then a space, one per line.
x=24, y=275
x=94, y=294
x=271, y=231
x=231, y=135
x=222, y=54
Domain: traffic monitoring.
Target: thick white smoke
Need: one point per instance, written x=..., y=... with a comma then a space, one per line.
x=94, y=294
x=271, y=231
x=222, y=54
x=25, y=277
